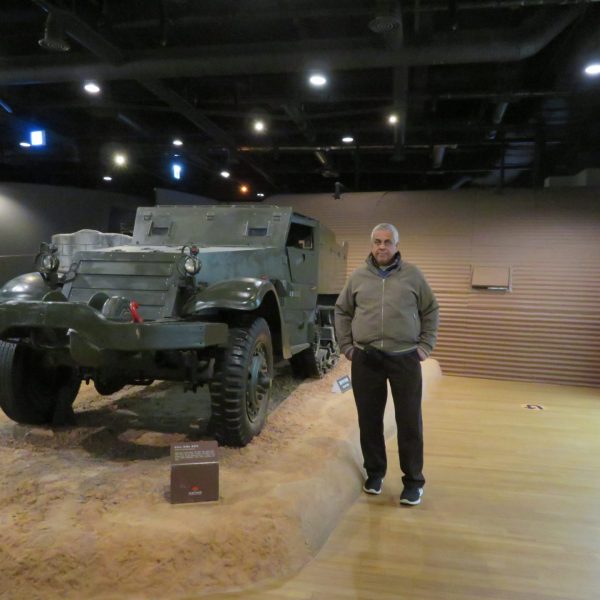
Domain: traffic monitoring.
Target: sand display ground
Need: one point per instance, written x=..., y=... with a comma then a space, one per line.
x=85, y=511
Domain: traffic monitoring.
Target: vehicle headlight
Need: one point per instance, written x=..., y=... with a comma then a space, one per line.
x=191, y=265
x=49, y=263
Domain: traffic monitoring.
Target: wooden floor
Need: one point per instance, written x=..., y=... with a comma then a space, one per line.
x=511, y=509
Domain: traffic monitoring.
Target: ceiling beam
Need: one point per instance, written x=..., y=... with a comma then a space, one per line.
x=459, y=48
x=101, y=47
x=195, y=116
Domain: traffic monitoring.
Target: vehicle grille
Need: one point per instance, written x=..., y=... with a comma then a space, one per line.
x=150, y=280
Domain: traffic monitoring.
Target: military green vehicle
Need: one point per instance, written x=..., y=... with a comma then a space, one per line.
x=200, y=294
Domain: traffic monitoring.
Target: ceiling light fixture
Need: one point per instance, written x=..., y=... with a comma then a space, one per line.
x=107, y=178
x=348, y=139
x=54, y=36
x=260, y=195
x=244, y=189
x=592, y=69
x=25, y=144
x=120, y=159
x=225, y=174
x=393, y=119
x=177, y=142
x=259, y=126
x=317, y=80
x=91, y=87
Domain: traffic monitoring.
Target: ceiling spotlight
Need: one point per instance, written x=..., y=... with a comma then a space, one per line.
x=348, y=139
x=225, y=174
x=260, y=195
x=54, y=36
x=177, y=142
x=24, y=144
x=107, y=178
x=592, y=69
x=317, y=80
x=91, y=87
x=244, y=189
x=393, y=119
x=120, y=159
x=259, y=126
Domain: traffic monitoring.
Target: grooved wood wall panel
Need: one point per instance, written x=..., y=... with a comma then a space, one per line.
x=547, y=328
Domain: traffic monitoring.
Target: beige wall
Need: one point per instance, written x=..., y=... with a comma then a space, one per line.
x=548, y=327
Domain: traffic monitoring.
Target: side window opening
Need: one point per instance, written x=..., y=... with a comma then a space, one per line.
x=257, y=229
x=160, y=225
x=300, y=236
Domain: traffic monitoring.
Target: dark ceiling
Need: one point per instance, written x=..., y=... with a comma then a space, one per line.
x=487, y=93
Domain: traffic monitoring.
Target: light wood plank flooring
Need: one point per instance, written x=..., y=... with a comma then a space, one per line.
x=511, y=509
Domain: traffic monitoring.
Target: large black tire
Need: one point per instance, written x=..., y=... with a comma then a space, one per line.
x=32, y=391
x=242, y=386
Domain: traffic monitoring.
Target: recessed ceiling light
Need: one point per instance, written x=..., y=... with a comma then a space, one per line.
x=593, y=69
x=91, y=87
x=120, y=159
x=259, y=126
x=25, y=144
x=393, y=119
x=177, y=142
x=348, y=139
x=317, y=80
x=107, y=178
x=225, y=174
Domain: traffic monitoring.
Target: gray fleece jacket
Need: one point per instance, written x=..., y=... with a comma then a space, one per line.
x=395, y=313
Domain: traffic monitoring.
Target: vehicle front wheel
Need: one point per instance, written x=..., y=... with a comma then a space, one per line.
x=33, y=391
x=242, y=386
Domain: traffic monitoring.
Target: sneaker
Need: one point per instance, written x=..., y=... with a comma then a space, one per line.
x=411, y=496
x=373, y=485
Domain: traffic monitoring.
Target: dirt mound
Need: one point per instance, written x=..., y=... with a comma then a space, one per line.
x=84, y=511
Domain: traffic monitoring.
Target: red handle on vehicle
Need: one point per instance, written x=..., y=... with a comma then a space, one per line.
x=135, y=315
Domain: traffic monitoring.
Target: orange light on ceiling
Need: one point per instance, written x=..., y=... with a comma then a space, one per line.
x=244, y=189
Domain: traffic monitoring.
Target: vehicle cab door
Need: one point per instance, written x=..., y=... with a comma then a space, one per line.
x=303, y=258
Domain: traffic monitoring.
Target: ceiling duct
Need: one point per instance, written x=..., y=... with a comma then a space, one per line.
x=468, y=47
x=387, y=18
x=384, y=23
x=327, y=169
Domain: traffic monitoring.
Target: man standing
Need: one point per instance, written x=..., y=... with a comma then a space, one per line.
x=386, y=320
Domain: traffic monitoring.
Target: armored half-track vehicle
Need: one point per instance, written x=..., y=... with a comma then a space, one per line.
x=200, y=294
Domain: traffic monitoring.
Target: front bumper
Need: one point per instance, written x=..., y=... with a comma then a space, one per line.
x=87, y=327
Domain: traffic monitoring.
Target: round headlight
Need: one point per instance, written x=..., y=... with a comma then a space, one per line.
x=191, y=265
x=49, y=263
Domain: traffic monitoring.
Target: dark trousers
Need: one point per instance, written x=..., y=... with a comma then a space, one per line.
x=369, y=381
